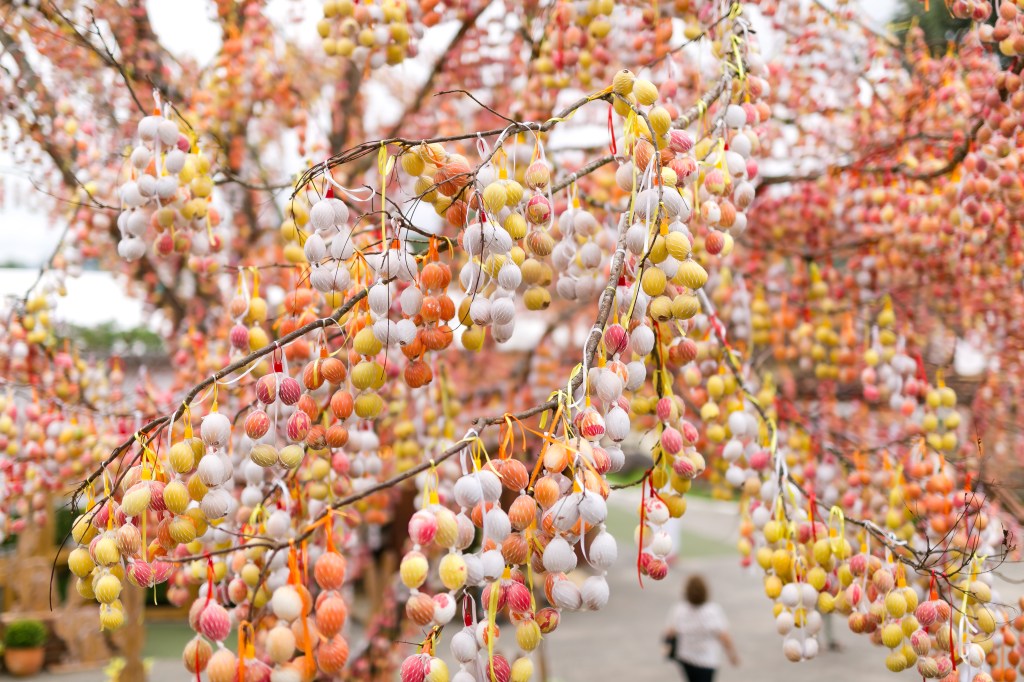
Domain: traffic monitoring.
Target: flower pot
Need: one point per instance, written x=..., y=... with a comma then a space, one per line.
x=24, y=662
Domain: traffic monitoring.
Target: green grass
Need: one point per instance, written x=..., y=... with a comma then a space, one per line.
x=622, y=523
x=168, y=640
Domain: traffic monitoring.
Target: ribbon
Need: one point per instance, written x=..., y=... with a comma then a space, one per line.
x=643, y=521
x=612, y=146
x=246, y=646
x=836, y=531
x=209, y=579
x=294, y=579
x=430, y=491
x=810, y=504
x=492, y=613
x=352, y=194
x=385, y=163
x=530, y=539
x=510, y=437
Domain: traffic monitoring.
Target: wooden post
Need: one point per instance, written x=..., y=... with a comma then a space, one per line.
x=134, y=600
x=542, y=661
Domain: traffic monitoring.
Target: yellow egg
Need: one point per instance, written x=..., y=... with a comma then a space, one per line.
x=107, y=588
x=413, y=569
x=895, y=604
x=182, y=458
x=82, y=530
x=892, y=635
x=691, y=274
x=182, y=529
x=366, y=343
x=528, y=635
x=452, y=571
x=368, y=406
x=80, y=563
x=106, y=552
x=111, y=618
x=782, y=562
x=645, y=91
x=622, y=82
x=660, y=119
x=816, y=577
x=653, y=281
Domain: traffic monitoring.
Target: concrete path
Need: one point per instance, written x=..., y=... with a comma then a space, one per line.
x=623, y=642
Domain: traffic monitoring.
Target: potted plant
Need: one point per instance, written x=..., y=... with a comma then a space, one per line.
x=23, y=647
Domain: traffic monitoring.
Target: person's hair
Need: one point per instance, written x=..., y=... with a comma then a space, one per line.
x=696, y=590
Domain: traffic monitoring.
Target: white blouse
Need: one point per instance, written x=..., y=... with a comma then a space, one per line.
x=697, y=630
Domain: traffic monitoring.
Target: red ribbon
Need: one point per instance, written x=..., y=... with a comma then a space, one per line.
x=920, y=367
x=643, y=521
x=814, y=531
x=952, y=655
x=611, y=132
x=209, y=579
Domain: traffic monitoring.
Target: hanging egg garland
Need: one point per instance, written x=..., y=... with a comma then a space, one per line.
x=370, y=399
x=168, y=189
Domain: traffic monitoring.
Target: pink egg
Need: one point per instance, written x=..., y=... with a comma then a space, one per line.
x=422, y=527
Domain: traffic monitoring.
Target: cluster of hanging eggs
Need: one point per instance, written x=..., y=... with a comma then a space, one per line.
x=378, y=33
x=414, y=316
x=111, y=545
x=798, y=559
x=31, y=439
x=168, y=194
x=578, y=256
x=671, y=275
x=579, y=45
x=573, y=48
x=302, y=634
x=533, y=539
x=330, y=246
x=498, y=266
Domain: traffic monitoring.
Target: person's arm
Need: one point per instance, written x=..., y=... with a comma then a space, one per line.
x=721, y=629
x=730, y=648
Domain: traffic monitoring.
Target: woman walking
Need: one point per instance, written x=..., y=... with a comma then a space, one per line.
x=700, y=633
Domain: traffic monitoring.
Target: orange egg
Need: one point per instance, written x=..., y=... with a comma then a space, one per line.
x=546, y=491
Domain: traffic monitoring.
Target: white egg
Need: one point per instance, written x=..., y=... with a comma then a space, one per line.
x=174, y=162
x=594, y=592
x=490, y=485
x=286, y=603
x=315, y=249
x=215, y=430
x=559, y=556
x=566, y=595
x=784, y=622
x=322, y=216
x=493, y=564
x=790, y=595
x=411, y=300
x=168, y=132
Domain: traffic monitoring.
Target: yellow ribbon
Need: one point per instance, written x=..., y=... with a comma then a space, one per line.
x=384, y=165
x=835, y=534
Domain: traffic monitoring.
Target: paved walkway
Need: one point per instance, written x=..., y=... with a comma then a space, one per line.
x=623, y=642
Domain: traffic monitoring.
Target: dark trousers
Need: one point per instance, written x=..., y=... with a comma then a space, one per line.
x=695, y=673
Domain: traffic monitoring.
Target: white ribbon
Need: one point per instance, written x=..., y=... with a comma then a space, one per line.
x=350, y=193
